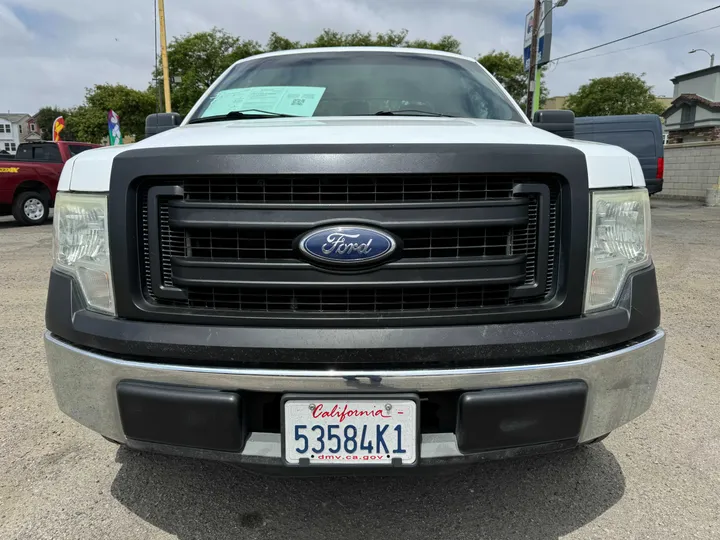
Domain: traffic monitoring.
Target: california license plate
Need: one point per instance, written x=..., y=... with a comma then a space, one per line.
x=350, y=431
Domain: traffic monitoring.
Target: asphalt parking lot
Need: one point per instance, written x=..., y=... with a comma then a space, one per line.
x=656, y=478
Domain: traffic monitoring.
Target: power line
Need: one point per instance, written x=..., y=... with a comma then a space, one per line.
x=642, y=45
x=637, y=33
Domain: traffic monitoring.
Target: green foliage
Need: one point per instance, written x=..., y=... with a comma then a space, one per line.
x=199, y=59
x=331, y=38
x=279, y=43
x=625, y=93
x=45, y=118
x=391, y=38
x=510, y=72
x=88, y=122
x=446, y=43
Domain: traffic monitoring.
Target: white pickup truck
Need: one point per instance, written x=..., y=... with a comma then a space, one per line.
x=351, y=259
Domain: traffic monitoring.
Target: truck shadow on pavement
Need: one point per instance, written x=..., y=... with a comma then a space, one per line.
x=10, y=223
x=541, y=498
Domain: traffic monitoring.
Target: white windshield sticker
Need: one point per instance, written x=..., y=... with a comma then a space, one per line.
x=295, y=100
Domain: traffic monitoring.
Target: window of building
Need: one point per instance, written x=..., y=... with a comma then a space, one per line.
x=32, y=128
x=688, y=114
x=13, y=147
x=20, y=129
x=5, y=128
x=7, y=146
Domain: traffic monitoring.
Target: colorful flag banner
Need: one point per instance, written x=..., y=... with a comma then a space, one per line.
x=114, y=128
x=58, y=126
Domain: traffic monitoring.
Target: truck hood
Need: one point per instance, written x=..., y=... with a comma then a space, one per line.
x=608, y=166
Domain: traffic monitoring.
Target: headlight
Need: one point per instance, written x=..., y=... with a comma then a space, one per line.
x=619, y=243
x=81, y=246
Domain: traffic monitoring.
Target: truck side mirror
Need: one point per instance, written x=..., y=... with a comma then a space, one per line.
x=561, y=123
x=159, y=122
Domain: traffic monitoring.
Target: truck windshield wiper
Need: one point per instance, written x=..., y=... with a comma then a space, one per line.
x=247, y=114
x=412, y=112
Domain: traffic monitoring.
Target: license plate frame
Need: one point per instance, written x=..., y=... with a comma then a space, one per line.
x=306, y=463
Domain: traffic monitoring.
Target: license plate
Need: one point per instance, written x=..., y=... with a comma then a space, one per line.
x=350, y=431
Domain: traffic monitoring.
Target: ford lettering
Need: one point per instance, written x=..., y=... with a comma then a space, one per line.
x=347, y=245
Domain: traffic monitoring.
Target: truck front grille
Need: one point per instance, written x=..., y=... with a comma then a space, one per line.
x=503, y=250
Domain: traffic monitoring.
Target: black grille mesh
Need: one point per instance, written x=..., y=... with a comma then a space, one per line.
x=271, y=245
x=347, y=300
x=348, y=189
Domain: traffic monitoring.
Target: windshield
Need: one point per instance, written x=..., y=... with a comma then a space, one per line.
x=359, y=83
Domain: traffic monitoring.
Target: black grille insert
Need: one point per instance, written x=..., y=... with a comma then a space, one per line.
x=348, y=189
x=348, y=300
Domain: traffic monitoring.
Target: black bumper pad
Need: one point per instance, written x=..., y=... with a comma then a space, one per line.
x=527, y=415
x=180, y=416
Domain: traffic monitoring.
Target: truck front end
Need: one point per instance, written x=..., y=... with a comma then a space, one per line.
x=333, y=294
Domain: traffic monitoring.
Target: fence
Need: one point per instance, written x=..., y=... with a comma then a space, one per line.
x=690, y=170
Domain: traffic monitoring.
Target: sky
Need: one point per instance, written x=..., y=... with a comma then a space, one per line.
x=51, y=50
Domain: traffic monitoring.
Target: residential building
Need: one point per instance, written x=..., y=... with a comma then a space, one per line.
x=9, y=133
x=17, y=128
x=32, y=131
x=694, y=114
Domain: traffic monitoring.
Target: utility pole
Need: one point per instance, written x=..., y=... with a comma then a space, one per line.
x=163, y=54
x=533, y=59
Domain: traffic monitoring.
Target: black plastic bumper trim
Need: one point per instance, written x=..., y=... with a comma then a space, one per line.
x=637, y=314
x=387, y=276
x=522, y=416
x=180, y=416
x=188, y=216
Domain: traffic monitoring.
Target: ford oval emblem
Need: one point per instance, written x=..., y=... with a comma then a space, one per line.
x=347, y=245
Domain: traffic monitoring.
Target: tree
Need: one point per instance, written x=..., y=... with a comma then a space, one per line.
x=391, y=38
x=89, y=121
x=88, y=124
x=332, y=38
x=626, y=93
x=279, y=43
x=446, y=43
x=509, y=70
x=198, y=59
x=45, y=118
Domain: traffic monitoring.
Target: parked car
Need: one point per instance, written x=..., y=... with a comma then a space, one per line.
x=352, y=258
x=640, y=134
x=29, y=180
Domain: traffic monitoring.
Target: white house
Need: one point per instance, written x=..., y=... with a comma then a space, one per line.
x=694, y=114
x=16, y=128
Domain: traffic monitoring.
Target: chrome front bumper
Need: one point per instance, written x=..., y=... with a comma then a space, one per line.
x=621, y=386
